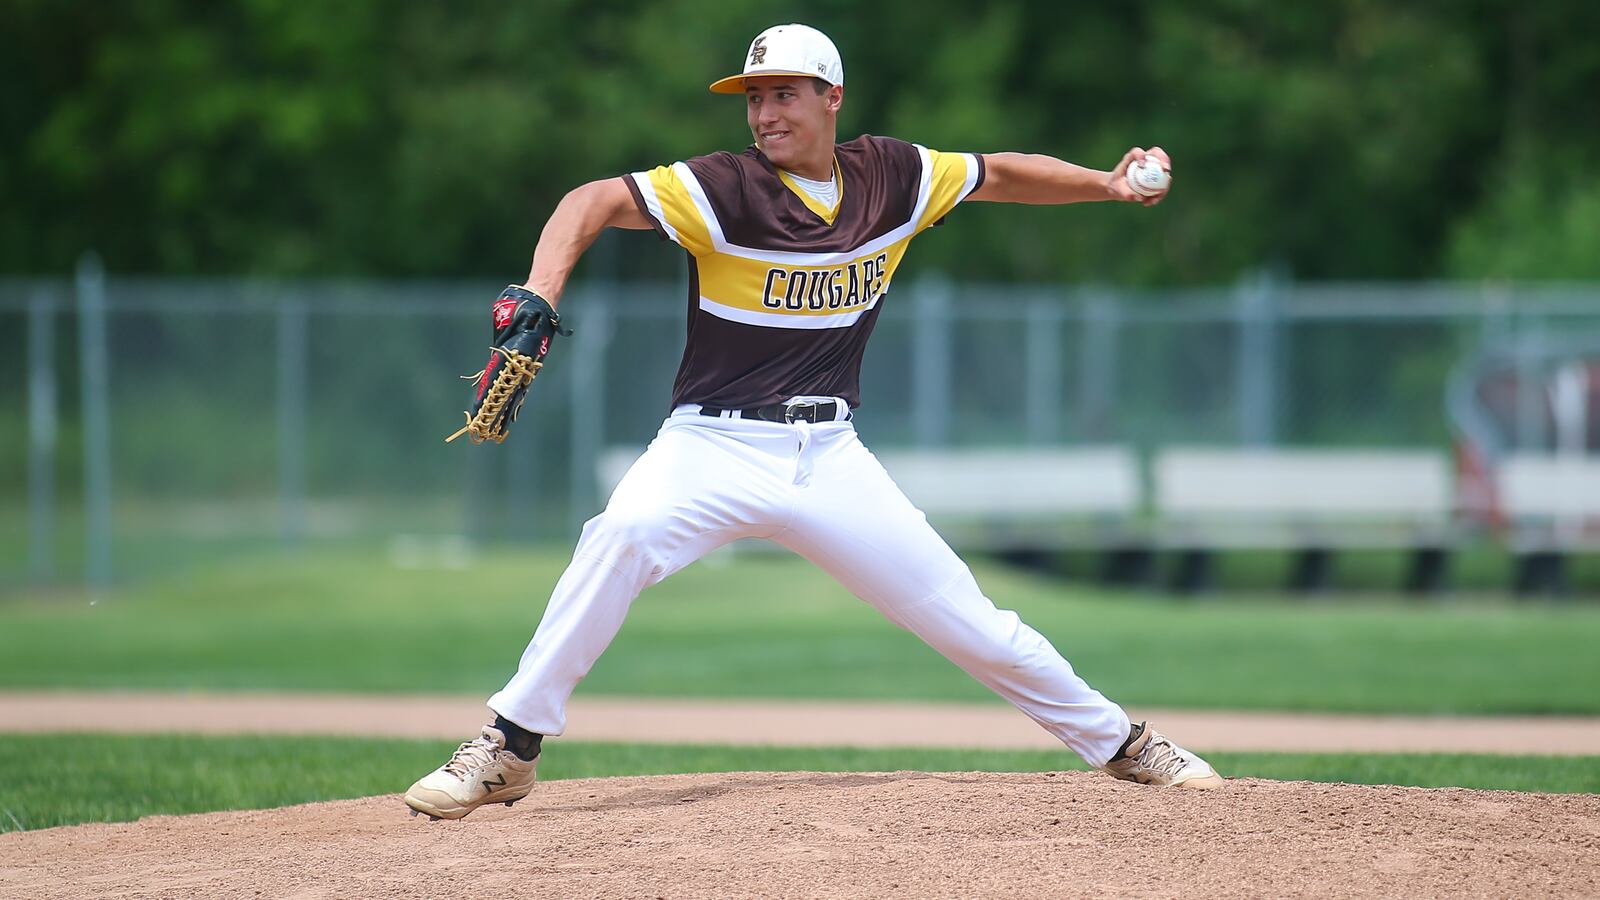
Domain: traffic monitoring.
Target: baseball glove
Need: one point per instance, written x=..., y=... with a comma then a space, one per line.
x=524, y=323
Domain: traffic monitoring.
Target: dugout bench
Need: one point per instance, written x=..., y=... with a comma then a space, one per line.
x=1551, y=505
x=1312, y=503
x=1026, y=505
x=1030, y=505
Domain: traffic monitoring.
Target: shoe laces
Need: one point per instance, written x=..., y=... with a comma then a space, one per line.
x=474, y=754
x=1161, y=755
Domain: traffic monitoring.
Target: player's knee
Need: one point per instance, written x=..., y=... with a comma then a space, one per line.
x=991, y=653
x=626, y=533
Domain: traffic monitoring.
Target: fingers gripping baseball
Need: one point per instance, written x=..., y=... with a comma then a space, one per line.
x=524, y=324
x=1143, y=176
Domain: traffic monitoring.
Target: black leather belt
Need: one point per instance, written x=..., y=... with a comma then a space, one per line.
x=799, y=411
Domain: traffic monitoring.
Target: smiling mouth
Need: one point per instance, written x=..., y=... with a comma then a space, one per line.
x=770, y=136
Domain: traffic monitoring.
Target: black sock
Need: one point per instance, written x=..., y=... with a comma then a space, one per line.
x=1133, y=735
x=519, y=740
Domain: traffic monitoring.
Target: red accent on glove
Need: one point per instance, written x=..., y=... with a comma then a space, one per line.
x=487, y=377
x=503, y=308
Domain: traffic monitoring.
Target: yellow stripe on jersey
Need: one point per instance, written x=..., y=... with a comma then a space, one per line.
x=779, y=295
x=668, y=200
x=789, y=289
x=954, y=175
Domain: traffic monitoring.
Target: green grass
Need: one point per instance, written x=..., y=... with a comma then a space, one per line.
x=775, y=627
x=117, y=778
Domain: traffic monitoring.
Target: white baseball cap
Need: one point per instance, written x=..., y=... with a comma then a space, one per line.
x=787, y=50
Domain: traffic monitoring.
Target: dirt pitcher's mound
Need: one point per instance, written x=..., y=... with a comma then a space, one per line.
x=808, y=834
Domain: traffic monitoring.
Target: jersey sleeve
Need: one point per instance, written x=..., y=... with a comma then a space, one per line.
x=952, y=177
x=664, y=195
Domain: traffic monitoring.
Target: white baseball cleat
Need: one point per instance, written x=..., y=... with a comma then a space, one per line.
x=480, y=771
x=1151, y=758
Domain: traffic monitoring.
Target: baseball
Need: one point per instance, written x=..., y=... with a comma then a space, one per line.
x=1148, y=178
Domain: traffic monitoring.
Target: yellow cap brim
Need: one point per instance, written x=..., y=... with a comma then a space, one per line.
x=734, y=84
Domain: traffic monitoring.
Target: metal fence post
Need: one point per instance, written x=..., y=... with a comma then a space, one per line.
x=292, y=360
x=588, y=405
x=1043, y=348
x=1256, y=367
x=93, y=354
x=1530, y=392
x=931, y=361
x=41, y=435
x=1097, y=366
x=1494, y=314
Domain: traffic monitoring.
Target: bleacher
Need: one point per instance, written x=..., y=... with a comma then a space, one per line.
x=1311, y=503
x=1020, y=501
x=1552, y=506
x=1188, y=504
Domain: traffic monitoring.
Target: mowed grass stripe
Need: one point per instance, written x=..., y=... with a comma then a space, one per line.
x=777, y=627
x=65, y=779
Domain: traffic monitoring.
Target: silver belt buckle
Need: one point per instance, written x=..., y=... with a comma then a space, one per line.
x=792, y=411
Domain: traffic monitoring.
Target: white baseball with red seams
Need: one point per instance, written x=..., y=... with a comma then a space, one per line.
x=1149, y=177
x=815, y=489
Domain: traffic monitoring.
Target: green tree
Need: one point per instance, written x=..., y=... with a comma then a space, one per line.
x=1352, y=140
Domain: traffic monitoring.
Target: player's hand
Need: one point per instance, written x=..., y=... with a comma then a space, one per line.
x=1118, y=187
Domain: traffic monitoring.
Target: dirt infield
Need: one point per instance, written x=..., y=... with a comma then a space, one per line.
x=848, y=835
x=783, y=722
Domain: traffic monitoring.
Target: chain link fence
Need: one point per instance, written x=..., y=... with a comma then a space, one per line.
x=147, y=424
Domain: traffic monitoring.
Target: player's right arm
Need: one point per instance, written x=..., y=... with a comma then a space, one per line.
x=579, y=218
x=1039, y=179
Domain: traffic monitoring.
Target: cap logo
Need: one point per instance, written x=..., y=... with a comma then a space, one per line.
x=758, y=51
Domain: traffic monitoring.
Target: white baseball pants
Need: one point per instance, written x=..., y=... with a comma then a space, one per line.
x=817, y=490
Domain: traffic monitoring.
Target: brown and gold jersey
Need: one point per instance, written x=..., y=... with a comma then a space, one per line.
x=784, y=292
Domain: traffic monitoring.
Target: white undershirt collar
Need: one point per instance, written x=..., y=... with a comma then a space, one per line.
x=824, y=192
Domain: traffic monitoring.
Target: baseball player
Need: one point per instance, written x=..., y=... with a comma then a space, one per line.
x=792, y=245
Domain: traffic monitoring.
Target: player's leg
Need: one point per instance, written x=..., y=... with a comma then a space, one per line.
x=698, y=486
x=856, y=524
x=701, y=484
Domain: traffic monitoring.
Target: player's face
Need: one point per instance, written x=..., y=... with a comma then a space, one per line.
x=792, y=123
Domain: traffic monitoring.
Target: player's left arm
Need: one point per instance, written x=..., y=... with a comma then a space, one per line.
x=578, y=219
x=1039, y=179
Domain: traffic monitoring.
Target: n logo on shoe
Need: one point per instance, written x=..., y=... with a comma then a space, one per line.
x=491, y=785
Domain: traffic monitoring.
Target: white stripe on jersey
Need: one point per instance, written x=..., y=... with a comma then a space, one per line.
x=924, y=186
x=698, y=195
x=653, y=203
x=972, y=177
x=719, y=244
x=787, y=320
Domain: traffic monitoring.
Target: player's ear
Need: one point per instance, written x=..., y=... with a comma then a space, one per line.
x=834, y=97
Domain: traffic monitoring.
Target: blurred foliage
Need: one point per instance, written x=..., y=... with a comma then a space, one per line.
x=1357, y=139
